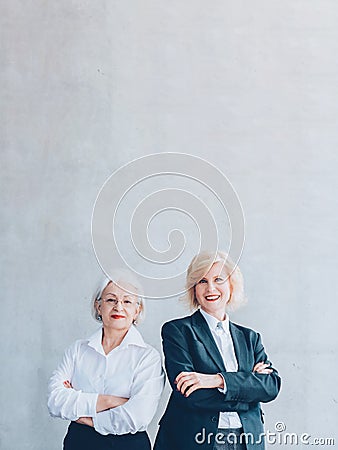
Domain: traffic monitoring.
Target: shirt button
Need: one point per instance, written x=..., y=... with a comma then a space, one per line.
x=214, y=419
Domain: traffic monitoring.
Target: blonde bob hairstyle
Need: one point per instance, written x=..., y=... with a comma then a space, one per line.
x=200, y=266
x=126, y=281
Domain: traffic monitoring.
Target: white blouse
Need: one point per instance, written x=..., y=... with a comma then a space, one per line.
x=132, y=370
x=226, y=348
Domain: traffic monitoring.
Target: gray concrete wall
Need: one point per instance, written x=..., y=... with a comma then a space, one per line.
x=88, y=86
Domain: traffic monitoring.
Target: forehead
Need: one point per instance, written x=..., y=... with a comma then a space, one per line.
x=216, y=269
x=120, y=288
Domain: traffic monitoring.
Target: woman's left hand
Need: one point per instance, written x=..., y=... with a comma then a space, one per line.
x=188, y=382
x=262, y=367
x=85, y=421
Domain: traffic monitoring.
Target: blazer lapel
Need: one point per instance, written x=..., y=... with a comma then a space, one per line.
x=203, y=332
x=239, y=346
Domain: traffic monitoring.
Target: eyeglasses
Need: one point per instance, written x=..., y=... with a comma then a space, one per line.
x=127, y=302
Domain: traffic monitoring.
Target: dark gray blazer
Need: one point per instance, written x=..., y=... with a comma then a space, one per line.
x=188, y=346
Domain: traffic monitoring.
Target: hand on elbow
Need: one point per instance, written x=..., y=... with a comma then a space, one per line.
x=262, y=368
x=188, y=382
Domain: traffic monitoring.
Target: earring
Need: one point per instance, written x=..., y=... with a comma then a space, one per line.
x=99, y=318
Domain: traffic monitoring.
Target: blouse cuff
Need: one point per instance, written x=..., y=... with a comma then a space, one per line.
x=87, y=404
x=103, y=423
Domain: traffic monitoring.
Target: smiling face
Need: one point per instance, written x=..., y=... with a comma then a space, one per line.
x=118, y=307
x=213, y=291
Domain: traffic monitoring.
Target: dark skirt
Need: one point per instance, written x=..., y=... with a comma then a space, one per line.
x=83, y=437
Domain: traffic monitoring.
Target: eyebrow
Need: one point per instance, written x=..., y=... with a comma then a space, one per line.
x=125, y=295
x=216, y=276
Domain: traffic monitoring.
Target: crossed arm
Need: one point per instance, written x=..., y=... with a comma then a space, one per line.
x=103, y=403
x=201, y=390
x=70, y=404
x=188, y=382
x=108, y=413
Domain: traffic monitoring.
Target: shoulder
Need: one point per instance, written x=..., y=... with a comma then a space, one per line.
x=245, y=330
x=93, y=340
x=249, y=333
x=143, y=349
x=150, y=352
x=73, y=351
x=183, y=328
x=148, y=359
x=77, y=345
x=178, y=324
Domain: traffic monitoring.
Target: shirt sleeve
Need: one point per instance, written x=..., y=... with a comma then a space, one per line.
x=136, y=414
x=66, y=403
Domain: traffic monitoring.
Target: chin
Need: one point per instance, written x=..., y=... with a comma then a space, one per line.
x=117, y=324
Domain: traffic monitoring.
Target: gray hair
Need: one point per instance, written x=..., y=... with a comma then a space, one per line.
x=120, y=277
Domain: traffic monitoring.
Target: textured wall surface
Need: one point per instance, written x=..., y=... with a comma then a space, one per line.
x=88, y=86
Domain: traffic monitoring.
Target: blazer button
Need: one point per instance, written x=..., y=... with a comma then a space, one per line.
x=214, y=419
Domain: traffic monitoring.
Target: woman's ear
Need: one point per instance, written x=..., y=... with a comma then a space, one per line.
x=98, y=306
x=137, y=313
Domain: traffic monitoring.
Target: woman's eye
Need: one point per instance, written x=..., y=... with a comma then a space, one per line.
x=127, y=302
x=202, y=281
x=219, y=280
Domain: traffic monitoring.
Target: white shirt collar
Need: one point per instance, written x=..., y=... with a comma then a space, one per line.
x=133, y=337
x=212, y=321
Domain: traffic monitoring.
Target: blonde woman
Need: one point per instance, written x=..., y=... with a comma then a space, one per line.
x=218, y=370
x=109, y=385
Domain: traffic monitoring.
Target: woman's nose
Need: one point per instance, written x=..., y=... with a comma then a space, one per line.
x=118, y=305
x=211, y=287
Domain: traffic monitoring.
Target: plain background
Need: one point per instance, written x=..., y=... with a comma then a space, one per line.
x=87, y=86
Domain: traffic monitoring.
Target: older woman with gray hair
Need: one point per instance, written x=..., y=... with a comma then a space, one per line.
x=218, y=370
x=109, y=385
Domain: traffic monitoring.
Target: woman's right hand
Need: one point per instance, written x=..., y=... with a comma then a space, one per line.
x=85, y=421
